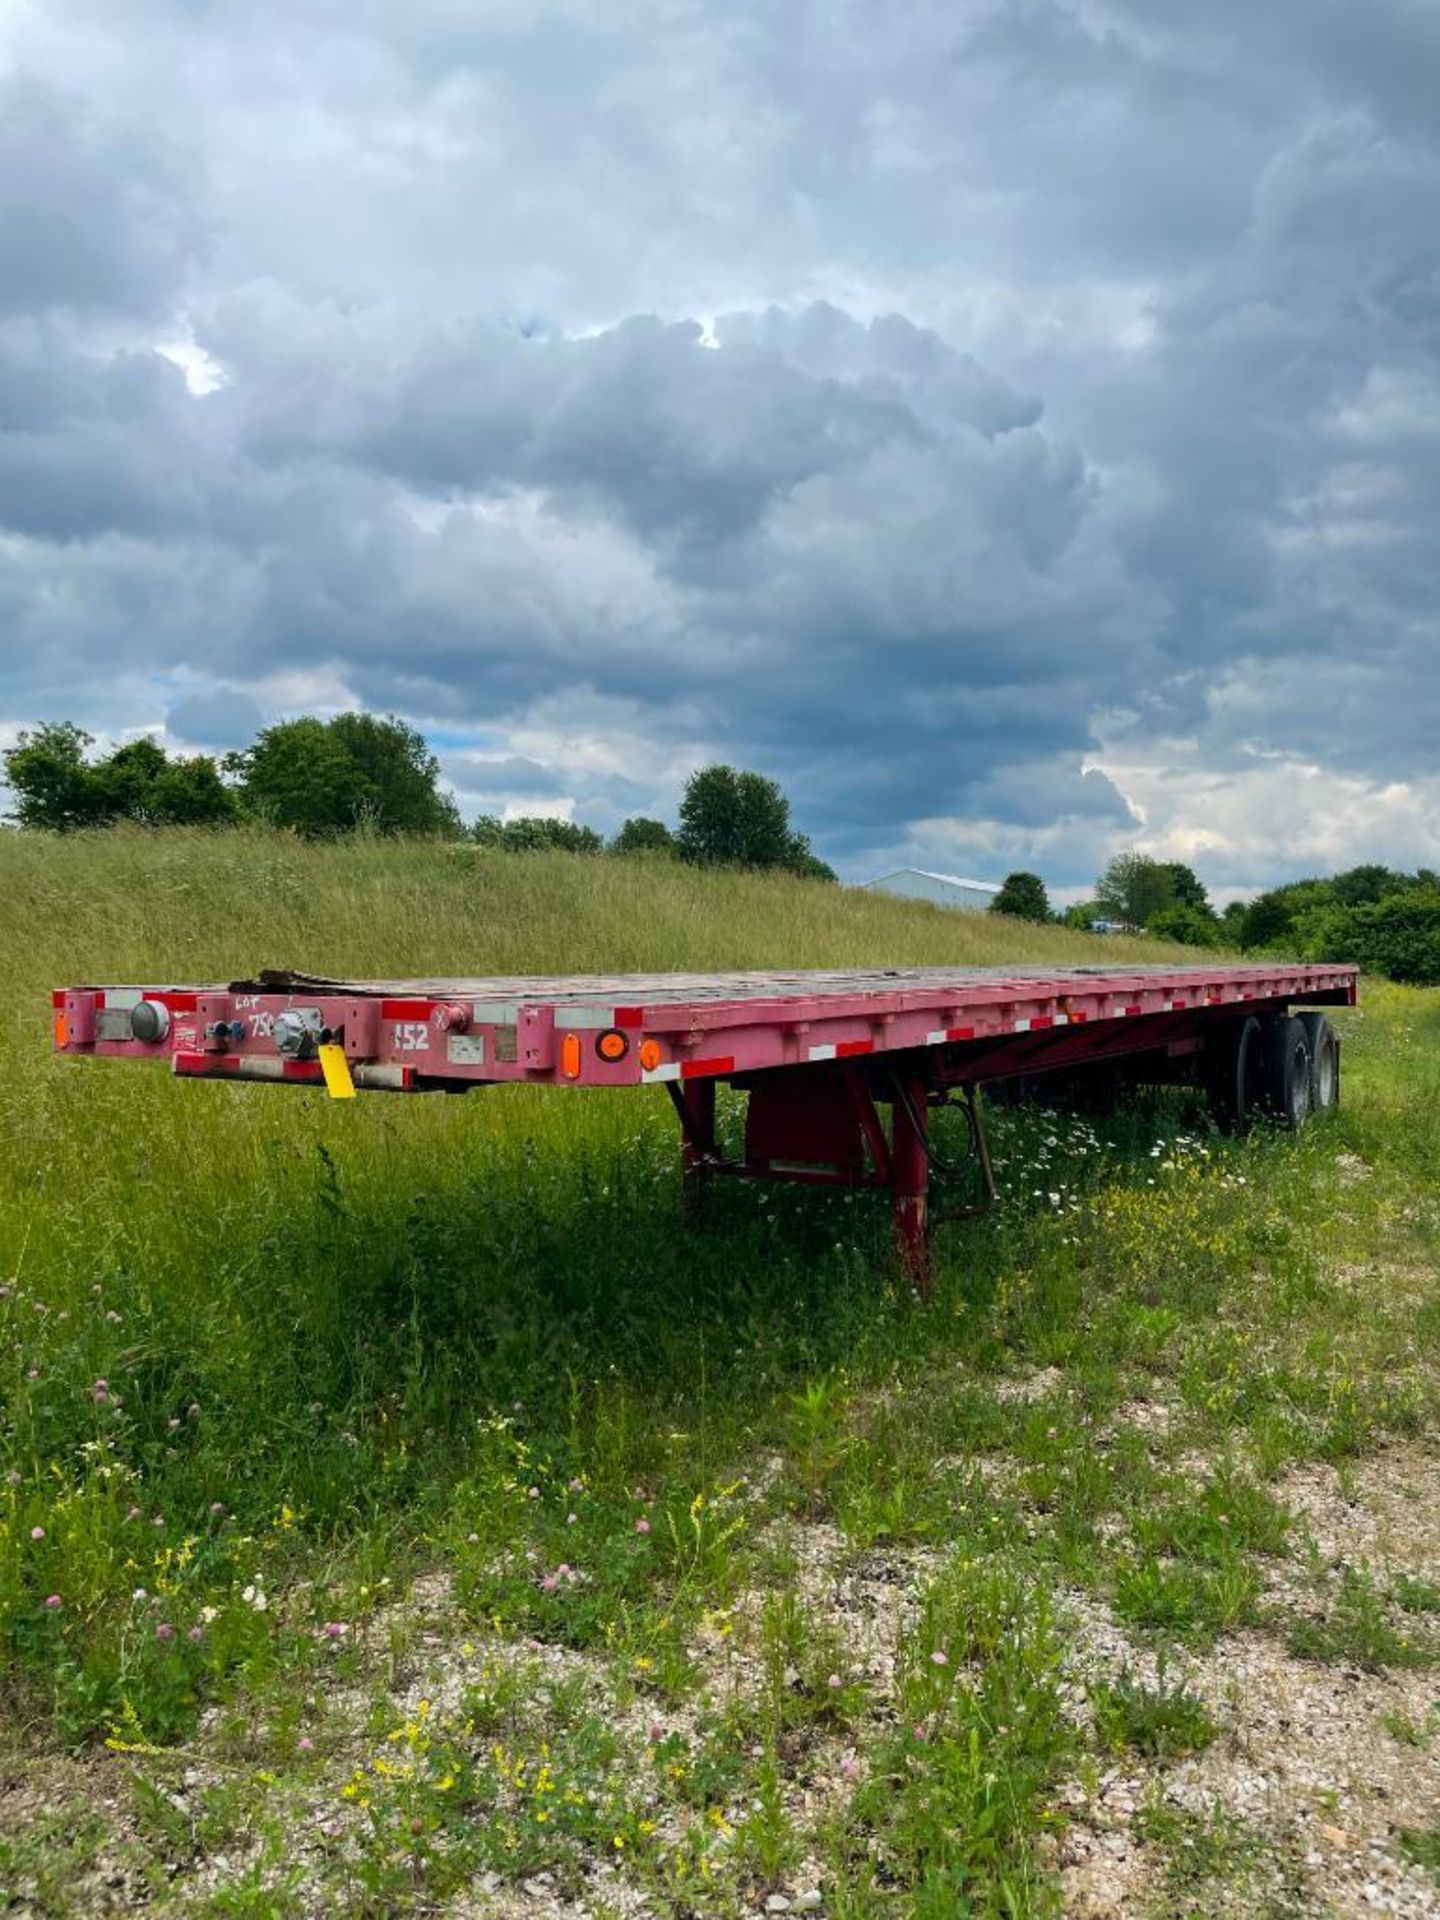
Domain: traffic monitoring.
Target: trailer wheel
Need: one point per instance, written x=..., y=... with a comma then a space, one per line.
x=1324, y=1061
x=1288, y=1071
x=1233, y=1076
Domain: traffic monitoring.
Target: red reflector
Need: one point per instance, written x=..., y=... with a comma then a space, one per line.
x=302, y=1070
x=177, y=1002
x=1041, y=1021
x=847, y=1049
x=960, y=1033
x=698, y=1069
x=629, y=1017
x=404, y=1009
x=57, y=997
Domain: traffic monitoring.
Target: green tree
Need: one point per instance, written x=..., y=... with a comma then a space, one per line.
x=1285, y=916
x=1134, y=888
x=1366, y=886
x=1269, y=919
x=739, y=819
x=190, y=793
x=1082, y=915
x=125, y=780
x=48, y=775
x=402, y=775
x=802, y=859
x=297, y=774
x=327, y=776
x=1398, y=936
x=538, y=834
x=1022, y=895
x=1188, y=926
x=1186, y=888
x=534, y=833
x=640, y=835
x=56, y=786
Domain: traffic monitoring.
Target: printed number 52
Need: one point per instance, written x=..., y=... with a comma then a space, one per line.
x=412, y=1036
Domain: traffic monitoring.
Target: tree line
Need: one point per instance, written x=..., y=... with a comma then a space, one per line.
x=358, y=771
x=1380, y=918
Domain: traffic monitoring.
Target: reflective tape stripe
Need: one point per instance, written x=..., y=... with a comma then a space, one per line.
x=822, y=1053
x=670, y=1071
x=702, y=1069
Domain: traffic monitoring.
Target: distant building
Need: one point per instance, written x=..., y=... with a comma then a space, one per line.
x=944, y=889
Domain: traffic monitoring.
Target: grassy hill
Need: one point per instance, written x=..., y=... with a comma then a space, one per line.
x=120, y=904
x=424, y=1440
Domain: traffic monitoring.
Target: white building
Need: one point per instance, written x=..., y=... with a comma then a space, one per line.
x=944, y=889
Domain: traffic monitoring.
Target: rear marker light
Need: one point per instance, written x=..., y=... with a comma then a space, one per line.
x=649, y=1055
x=570, y=1056
x=150, y=1021
x=62, y=1031
x=612, y=1045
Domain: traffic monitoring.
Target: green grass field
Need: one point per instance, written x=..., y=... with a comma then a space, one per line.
x=403, y=1506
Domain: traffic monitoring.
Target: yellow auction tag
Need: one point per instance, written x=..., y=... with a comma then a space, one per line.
x=336, y=1069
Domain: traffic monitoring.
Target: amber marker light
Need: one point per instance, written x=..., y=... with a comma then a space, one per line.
x=612, y=1045
x=649, y=1055
x=570, y=1056
x=62, y=1031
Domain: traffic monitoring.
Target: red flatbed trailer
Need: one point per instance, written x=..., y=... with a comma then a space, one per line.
x=817, y=1053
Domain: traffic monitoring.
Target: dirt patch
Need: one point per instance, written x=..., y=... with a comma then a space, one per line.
x=1029, y=1386
x=1383, y=1511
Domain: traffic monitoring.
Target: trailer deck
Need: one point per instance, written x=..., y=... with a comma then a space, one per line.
x=814, y=1050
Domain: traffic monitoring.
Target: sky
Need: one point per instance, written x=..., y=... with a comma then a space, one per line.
x=1013, y=425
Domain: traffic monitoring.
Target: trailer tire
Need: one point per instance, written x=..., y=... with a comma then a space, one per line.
x=1233, y=1073
x=1288, y=1071
x=1324, y=1061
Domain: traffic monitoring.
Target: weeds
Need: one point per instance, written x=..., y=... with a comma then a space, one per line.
x=1421, y=1846
x=1160, y=1722
x=1353, y=1628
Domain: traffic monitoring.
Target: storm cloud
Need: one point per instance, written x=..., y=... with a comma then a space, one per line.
x=1016, y=427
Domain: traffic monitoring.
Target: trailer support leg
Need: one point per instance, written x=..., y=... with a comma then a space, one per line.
x=910, y=1179
x=695, y=1103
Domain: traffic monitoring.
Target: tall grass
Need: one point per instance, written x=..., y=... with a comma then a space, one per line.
x=122, y=904
x=249, y=1299
x=261, y=1355
x=306, y=1307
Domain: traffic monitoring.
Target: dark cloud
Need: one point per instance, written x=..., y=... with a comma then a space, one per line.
x=1001, y=423
x=95, y=215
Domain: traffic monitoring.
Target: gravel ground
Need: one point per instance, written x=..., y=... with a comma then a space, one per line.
x=1308, y=1766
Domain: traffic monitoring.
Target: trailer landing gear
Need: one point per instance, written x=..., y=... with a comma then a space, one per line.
x=826, y=1130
